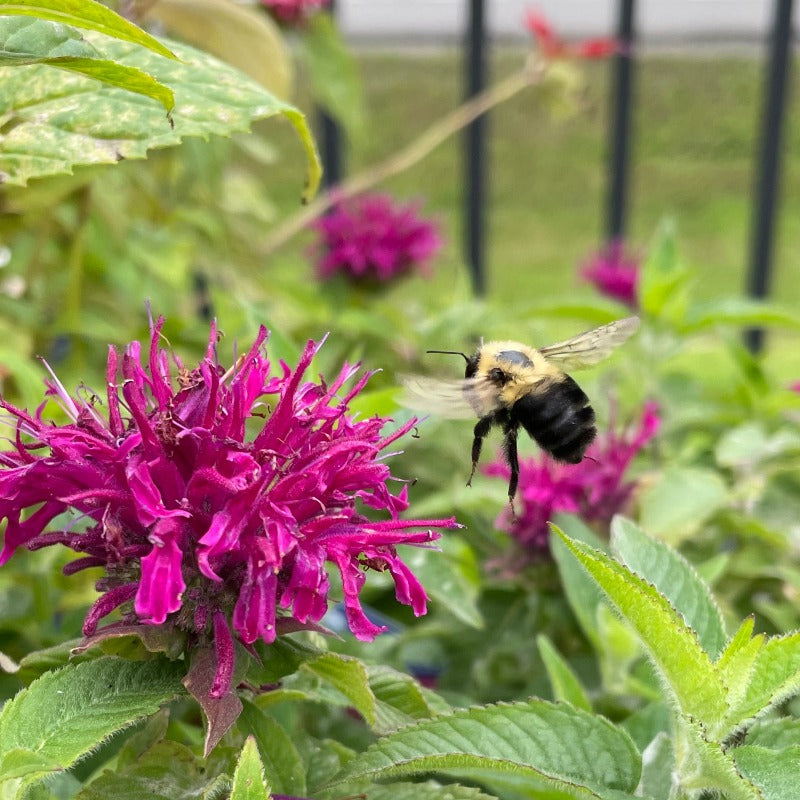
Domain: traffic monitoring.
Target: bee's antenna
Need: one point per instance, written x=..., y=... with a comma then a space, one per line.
x=451, y=353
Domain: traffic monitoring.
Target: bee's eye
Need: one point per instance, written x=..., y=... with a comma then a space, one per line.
x=497, y=376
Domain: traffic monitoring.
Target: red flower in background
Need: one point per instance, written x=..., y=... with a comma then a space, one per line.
x=293, y=12
x=215, y=499
x=595, y=488
x=614, y=273
x=553, y=46
x=374, y=239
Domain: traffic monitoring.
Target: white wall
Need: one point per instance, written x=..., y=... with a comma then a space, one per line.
x=655, y=19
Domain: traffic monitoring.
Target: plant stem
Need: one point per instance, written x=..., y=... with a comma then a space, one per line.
x=531, y=74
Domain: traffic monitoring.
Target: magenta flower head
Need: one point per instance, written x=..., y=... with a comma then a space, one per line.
x=595, y=488
x=373, y=240
x=614, y=273
x=293, y=13
x=213, y=498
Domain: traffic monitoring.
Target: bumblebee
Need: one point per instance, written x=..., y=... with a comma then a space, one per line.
x=510, y=384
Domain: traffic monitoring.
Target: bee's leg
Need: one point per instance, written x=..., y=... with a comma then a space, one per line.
x=483, y=427
x=510, y=450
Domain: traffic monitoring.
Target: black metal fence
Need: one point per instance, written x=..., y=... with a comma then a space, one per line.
x=620, y=137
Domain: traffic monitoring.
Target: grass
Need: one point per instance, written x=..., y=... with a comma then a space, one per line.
x=695, y=132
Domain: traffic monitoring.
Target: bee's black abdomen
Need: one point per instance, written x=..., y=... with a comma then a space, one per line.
x=559, y=418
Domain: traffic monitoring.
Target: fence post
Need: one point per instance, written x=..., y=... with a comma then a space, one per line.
x=620, y=123
x=475, y=151
x=766, y=194
x=330, y=137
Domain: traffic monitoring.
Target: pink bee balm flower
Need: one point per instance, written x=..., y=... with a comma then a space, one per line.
x=374, y=240
x=213, y=498
x=293, y=12
x=614, y=273
x=595, y=488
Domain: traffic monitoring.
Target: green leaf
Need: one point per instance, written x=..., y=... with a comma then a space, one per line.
x=451, y=577
x=248, y=779
x=775, y=676
x=282, y=763
x=689, y=675
x=658, y=767
x=50, y=137
x=400, y=699
x=681, y=501
x=282, y=657
x=428, y=790
x=563, y=680
x=738, y=311
x=349, y=676
x=26, y=41
x=775, y=734
x=65, y=714
x=747, y=445
x=704, y=765
x=675, y=578
x=86, y=14
x=737, y=660
x=335, y=81
x=530, y=740
x=583, y=594
x=646, y=723
x=775, y=773
x=664, y=279
x=167, y=771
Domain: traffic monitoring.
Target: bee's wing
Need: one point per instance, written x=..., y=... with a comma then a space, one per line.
x=591, y=347
x=452, y=399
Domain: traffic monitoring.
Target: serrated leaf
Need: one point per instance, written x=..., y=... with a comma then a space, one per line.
x=566, y=747
x=682, y=499
x=36, y=41
x=706, y=766
x=50, y=137
x=167, y=771
x=65, y=714
x=690, y=677
x=400, y=699
x=86, y=14
x=675, y=578
x=775, y=773
x=737, y=660
x=563, y=681
x=248, y=779
x=282, y=764
x=349, y=676
x=775, y=676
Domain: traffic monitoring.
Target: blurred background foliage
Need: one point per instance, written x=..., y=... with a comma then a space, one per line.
x=188, y=230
